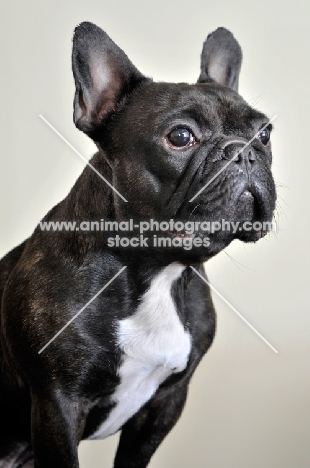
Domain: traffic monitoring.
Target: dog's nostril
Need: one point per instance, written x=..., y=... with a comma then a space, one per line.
x=237, y=158
x=251, y=156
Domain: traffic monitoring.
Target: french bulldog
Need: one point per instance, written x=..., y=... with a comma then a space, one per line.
x=96, y=337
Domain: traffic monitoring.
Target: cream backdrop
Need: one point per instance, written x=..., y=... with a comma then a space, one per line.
x=247, y=406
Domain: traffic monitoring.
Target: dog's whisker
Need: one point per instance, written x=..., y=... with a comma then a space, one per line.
x=237, y=263
x=284, y=201
x=279, y=184
x=192, y=212
x=280, y=210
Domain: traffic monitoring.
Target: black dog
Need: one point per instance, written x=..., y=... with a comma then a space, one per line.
x=126, y=361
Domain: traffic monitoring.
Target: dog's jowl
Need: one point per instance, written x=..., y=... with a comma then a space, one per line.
x=101, y=331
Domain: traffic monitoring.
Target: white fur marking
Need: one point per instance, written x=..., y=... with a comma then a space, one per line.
x=155, y=344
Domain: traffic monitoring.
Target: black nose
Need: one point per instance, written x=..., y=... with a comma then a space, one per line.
x=246, y=156
x=232, y=149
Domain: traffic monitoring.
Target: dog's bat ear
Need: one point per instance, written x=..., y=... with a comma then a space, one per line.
x=221, y=59
x=103, y=75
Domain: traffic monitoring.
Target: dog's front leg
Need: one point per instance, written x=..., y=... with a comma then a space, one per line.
x=144, y=432
x=57, y=423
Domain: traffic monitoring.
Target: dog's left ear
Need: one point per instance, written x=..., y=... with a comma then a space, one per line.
x=221, y=59
x=103, y=75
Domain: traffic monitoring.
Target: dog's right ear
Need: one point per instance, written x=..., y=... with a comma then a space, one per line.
x=103, y=75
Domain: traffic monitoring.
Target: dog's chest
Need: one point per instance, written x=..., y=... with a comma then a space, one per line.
x=155, y=345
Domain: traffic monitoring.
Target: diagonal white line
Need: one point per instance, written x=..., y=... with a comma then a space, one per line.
x=235, y=310
x=82, y=157
x=232, y=159
x=83, y=308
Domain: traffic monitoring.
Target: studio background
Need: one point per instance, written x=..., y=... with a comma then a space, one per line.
x=247, y=406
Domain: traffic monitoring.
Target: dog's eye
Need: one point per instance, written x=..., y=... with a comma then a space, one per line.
x=264, y=136
x=180, y=138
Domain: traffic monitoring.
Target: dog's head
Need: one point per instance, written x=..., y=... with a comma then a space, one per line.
x=175, y=149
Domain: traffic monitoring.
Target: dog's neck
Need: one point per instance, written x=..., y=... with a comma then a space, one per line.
x=91, y=198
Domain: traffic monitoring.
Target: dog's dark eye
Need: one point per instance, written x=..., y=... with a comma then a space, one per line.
x=180, y=138
x=264, y=136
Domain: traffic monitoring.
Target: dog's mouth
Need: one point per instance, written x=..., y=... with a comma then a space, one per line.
x=251, y=211
x=181, y=234
x=247, y=205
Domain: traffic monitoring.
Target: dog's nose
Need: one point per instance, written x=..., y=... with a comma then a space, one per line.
x=235, y=149
x=246, y=156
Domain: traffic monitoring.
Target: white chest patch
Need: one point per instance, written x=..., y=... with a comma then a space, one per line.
x=155, y=345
